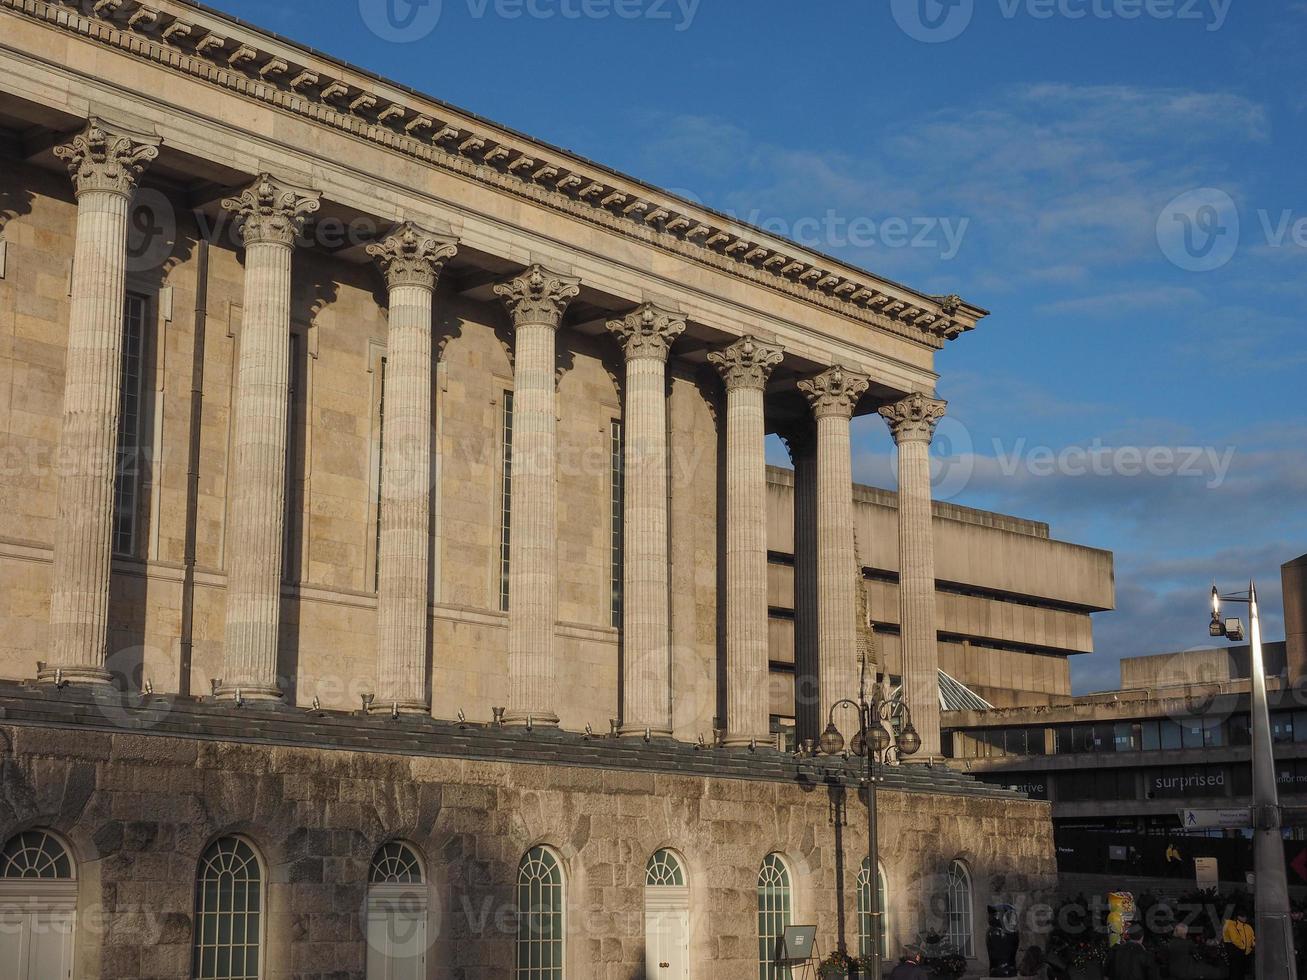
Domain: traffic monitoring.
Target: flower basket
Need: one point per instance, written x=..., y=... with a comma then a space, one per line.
x=837, y=966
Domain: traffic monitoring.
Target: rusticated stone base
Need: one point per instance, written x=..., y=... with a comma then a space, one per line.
x=139, y=809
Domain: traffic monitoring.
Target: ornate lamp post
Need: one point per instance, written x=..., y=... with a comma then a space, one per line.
x=1275, y=952
x=874, y=743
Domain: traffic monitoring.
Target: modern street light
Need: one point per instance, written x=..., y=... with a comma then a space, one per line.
x=872, y=742
x=1275, y=953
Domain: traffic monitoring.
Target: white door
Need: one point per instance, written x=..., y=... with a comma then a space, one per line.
x=38, y=945
x=397, y=937
x=667, y=944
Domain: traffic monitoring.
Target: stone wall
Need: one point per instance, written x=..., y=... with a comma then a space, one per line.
x=139, y=809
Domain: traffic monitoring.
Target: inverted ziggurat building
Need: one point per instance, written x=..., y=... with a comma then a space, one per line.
x=393, y=582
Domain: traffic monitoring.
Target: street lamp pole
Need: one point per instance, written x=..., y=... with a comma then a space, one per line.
x=1275, y=958
x=873, y=743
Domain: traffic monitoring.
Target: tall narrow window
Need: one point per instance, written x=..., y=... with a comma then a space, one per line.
x=540, y=922
x=773, y=916
x=866, y=928
x=615, y=543
x=506, y=503
x=38, y=907
x=127, y=474
x=960, y=908
x=228, y=912
x=381, y=456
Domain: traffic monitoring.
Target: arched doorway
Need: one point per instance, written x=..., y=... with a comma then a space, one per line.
x=397, y=915
x=666, y=918
x=38, y=907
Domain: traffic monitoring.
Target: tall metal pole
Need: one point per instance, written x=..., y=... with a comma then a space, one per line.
x=1275, y=953
x=873, y=848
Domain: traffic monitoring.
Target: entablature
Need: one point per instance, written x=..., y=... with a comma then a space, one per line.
x=228, y=53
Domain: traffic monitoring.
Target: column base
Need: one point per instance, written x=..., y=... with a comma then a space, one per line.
x=403, y=707
x=56, y=673
x=521, y=719
x=251, y=693
x=638, y=731
x=735, y=741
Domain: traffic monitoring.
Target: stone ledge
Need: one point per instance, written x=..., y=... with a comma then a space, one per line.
x=30, y=709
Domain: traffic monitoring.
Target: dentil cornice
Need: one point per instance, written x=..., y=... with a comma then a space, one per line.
x=224, y=53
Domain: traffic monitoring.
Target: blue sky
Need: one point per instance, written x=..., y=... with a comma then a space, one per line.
x=1120, y=181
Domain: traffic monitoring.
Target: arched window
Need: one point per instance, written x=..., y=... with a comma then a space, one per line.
x=395, y=864
x=960, y=908
x=664, y=871
x=773, y=915
x=36, y=854
x=397, y=914
x=865, y=926
x=229, y=912
x=666, y=917
x=540, y=922
x=38, y=906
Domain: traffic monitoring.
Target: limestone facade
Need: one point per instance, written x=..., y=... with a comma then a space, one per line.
x=267, y=541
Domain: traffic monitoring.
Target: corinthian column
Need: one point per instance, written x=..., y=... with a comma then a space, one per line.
x=272, y=214
x=646, y=335
x=105, y=164
x=833, y=396
x=411, y=260
x=745, y=366
x=536, y=301
x=913, y=421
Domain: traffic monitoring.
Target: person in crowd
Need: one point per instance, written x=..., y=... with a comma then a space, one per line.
x=1300, y=941
x=1057, y=959
x=1182, y=960
x=1240, y=941
x=910, y=967
x=1129, y=960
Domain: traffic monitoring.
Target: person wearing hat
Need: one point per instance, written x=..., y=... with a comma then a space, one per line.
x=1129, y=960
x=910, y=967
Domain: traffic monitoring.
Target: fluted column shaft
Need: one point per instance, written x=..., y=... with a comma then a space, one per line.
x=272, y=215
x=912, y=422
x=536, y=301
x=745, y=366
x=104, y=164
x=411, y=260
x=833, y=396
x=646, y=658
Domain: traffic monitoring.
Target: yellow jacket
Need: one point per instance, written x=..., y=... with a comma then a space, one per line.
x=1240, y=935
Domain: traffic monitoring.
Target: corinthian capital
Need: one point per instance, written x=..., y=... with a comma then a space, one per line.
x=746, y=363
x=647, y=332
x=105, y=158
x=834, y=392
x=914, y=418
x=538, y=295
x=272, y=211
x=412, y=256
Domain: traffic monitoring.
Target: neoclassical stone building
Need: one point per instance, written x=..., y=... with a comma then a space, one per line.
x=386, y=543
